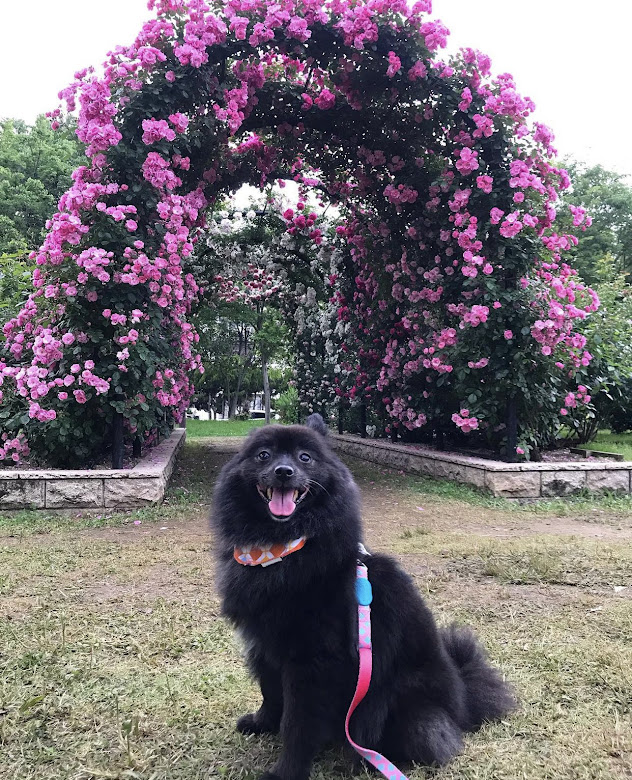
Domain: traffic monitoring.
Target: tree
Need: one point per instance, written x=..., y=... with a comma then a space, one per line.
x=605, y=385
x=607, y=197
x=220, y=359
x=244, y=277
x=281, y=277
x=15, y=283
x=271, y=341
x=35, y=169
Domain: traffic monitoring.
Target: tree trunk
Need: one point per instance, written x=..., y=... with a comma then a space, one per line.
x=235, y=399
x=266, y=388
x=511, y=455
x=117, y=441
x=226, y=401
x=363, y=421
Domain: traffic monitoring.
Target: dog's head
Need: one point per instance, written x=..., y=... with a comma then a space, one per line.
x=288, y=465
x=284, y=483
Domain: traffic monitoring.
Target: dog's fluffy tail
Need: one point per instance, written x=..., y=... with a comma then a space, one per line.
x=489, y=697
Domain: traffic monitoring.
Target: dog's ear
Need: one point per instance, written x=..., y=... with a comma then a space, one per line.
x=316, y=423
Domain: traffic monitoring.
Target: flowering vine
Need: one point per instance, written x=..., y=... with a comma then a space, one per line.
x=448, y=242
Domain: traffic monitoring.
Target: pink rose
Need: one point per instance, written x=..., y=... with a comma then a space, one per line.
x=325, y=100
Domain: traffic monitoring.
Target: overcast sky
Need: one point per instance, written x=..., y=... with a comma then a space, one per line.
x=571, y=57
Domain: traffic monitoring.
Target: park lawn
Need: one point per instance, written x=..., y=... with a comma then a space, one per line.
x=115, y=663
x=203, y=428
x=606, y=441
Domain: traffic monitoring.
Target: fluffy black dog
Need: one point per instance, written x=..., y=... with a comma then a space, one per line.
x=298, y=616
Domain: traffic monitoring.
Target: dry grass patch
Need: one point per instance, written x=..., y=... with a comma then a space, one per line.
x=554, y=559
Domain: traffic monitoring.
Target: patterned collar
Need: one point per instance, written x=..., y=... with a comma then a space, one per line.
x=266, y=554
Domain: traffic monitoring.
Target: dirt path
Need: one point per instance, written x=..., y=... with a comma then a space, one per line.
x=406, y=524
x=437, y=541
x=388, y=511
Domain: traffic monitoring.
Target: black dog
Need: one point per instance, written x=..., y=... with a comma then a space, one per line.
x=298, y=616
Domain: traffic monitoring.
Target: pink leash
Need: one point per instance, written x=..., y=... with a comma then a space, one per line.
x=365, y=596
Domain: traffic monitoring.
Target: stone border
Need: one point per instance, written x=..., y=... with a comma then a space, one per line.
x=506, y=480
x=143, y=485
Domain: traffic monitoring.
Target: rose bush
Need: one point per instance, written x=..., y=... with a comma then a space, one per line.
x=449, y=238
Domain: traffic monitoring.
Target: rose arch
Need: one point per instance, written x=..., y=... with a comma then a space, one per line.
x=455, y=303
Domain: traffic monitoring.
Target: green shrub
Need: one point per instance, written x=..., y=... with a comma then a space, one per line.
x=287, y=406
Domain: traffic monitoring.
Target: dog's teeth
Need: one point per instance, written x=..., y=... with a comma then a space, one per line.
x=269, y=493
x=295, y=495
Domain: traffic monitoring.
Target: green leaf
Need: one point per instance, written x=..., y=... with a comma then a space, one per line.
x=32, y=702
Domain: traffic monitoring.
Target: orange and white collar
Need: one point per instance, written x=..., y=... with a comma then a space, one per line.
x=267, y=554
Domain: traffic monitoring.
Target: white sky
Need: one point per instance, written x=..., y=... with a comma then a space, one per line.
x=572, y=57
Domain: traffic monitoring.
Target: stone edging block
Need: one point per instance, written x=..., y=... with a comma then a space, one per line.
x=143, y=485
x=507, y=480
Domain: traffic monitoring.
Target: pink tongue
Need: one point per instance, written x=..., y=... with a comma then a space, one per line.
x=282, y=503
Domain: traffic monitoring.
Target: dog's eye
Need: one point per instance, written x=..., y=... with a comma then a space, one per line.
x=305, y=457
x=263, y=455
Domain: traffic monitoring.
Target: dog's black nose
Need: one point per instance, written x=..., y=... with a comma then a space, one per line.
x=283, y=471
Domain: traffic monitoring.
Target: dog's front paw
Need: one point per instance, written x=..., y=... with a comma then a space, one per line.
x=252, y=724
x=247, y=724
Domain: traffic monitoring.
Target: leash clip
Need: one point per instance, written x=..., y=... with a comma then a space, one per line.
x=364, y=591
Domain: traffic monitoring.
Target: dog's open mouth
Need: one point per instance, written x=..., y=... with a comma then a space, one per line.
x=282, y=502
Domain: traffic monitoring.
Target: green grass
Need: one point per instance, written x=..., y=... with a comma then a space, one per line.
x=202, y=428
x=115, y=662
x=551, y=559
x=611, y=442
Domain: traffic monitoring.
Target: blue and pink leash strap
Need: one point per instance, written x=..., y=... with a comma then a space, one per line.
x=364, y=597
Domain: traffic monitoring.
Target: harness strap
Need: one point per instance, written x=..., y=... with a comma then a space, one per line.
x=364, y=596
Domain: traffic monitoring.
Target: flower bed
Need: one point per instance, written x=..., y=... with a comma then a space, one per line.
x=508, y=480
x=93, y=489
